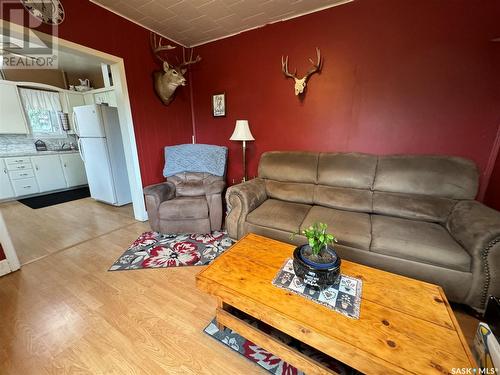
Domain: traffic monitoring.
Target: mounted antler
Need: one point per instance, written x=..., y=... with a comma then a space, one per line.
x=284, y=68
x=300, y=83
x=190, y=61
x=166, y=82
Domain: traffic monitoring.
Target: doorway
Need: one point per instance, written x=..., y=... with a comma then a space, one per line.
x=74, y=211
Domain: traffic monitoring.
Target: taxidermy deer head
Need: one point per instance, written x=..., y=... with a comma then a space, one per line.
x=167, y=81
x=300, y=83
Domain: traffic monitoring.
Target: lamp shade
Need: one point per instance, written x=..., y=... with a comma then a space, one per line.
x=242, y=132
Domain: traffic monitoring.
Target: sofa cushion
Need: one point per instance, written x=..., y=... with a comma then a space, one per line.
x=290, y=191
x=351, y=228
x=418, y=241
x=351, y=170
x=439, y=176
x=455, y=283
x=184, y=208
x=291, y=166
x=413, y=206
x=343, y=198
x=278, y=214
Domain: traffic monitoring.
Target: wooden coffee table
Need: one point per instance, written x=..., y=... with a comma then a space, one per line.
x=405, y=327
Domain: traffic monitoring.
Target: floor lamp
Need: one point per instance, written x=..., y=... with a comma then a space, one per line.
x=242, y=133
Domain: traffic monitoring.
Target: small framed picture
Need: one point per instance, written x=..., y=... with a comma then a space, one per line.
x=219, y=105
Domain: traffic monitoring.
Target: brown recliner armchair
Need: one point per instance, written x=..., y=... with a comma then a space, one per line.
x=189, y=201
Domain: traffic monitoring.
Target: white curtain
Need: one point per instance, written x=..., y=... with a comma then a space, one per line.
x=38, y=99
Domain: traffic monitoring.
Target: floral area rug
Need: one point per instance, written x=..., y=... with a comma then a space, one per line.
x=267, y=360
x=159, y=250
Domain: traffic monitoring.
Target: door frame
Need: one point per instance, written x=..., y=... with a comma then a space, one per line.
x=124, y=108
x=11, y=263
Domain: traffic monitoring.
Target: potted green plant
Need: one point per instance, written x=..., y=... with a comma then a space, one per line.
x=316, y=262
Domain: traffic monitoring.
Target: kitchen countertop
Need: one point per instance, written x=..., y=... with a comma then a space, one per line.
x=36, y=153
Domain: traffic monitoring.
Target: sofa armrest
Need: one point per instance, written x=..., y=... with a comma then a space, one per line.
x=474, y=225
x=242, y=199
x=477, y=228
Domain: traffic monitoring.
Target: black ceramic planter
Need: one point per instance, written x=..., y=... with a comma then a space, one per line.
x=316, y=275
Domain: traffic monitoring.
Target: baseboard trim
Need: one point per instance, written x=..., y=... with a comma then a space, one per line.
x=4, y=267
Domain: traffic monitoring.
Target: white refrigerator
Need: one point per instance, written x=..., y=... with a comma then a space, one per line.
x=101, y=149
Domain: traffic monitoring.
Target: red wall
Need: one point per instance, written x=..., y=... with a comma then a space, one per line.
x=155, y=125
x=398, y=77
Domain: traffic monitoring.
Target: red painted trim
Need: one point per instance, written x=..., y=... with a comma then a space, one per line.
x=488, y=170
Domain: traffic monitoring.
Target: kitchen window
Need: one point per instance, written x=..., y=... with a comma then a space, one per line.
x=42, y=110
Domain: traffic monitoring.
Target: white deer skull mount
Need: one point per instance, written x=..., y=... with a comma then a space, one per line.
x=301, y=83
x=167, y=81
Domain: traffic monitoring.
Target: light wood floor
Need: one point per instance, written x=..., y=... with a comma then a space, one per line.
x=65, y=314
x=37, y=233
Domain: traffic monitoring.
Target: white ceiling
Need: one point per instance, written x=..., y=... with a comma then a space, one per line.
x=194, y=22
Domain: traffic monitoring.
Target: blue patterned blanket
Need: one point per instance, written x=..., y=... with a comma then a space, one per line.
x=195, y=158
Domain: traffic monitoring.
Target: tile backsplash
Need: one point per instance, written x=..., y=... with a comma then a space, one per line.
x=10, y=144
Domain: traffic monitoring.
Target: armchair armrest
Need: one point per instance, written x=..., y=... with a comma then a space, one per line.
x=241, y=200
x=477, y=228
x=154, y=195
x=160, y=192
x=213, y=187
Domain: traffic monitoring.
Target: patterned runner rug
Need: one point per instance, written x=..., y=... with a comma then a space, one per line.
x=267, y=360
x=157, y=250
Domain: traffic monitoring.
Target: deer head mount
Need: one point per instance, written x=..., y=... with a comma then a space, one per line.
x=300, y=83
x=172, y=76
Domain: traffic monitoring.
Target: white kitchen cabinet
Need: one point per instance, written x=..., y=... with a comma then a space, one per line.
x=12, y=119
x=49, y=172
x=6, y=190
x=63, y=98
x=69, y=100
x=21, y=175
x=18, y=160
x=74, y=170
x=19, y=166
x=75, y=99
x=18, y=175
x=106, y=97
x=26, y=186
x=89, y=98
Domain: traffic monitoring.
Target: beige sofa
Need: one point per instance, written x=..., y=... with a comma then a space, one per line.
x=412, y=215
